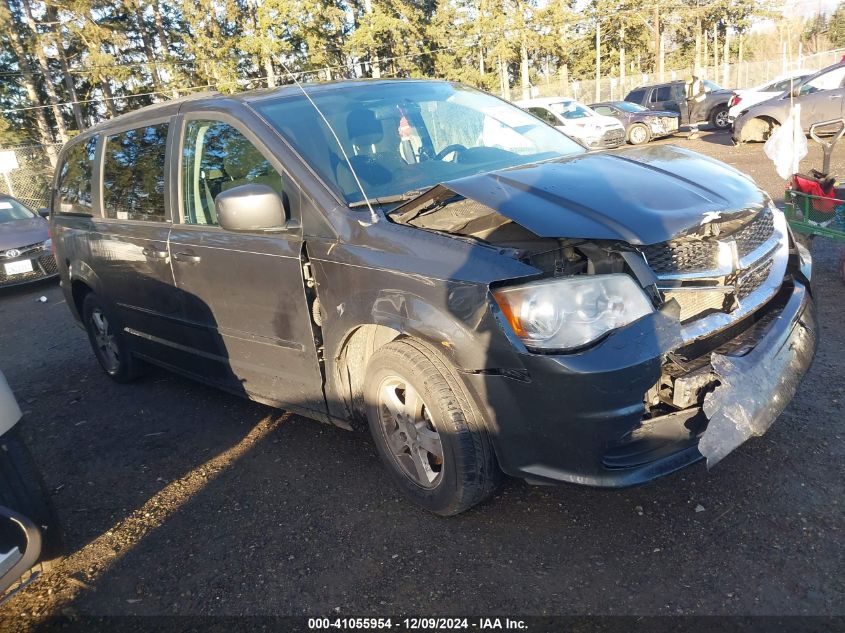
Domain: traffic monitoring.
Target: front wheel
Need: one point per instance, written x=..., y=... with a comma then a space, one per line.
x=719, y=119
x=428, y=433
x=638, y=134
x=108, y=340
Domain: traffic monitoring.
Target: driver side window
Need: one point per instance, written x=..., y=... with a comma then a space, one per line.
x=828, y=81
x=217, y=157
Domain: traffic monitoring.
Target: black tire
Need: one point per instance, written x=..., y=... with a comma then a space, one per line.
x=22, y=490
x=638, y=134
x=123, y=367
x=719, y=118
x=467, y=473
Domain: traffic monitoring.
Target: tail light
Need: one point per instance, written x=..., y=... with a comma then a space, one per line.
x=734, y=101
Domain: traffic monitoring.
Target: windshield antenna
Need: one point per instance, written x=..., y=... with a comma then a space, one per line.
x=373, y=214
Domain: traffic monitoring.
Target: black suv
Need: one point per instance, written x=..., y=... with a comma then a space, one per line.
x=431, y=261
x=672, y=96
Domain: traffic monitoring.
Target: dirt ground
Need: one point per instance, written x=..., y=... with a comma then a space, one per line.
x=179, y=499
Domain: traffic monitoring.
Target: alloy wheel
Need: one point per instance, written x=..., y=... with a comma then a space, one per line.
x=411, y=437
x=105, y=341
x=638, y=135
x=721, y=120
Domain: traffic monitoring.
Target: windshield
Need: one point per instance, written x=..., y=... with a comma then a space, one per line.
x=410, y=135
x=11, y=210
x=627, y=106
x=571, y=110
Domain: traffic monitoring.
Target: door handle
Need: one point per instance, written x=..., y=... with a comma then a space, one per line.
x=154, y=253
x=187, y=258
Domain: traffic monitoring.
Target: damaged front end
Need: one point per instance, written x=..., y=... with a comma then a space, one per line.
x=732, y=333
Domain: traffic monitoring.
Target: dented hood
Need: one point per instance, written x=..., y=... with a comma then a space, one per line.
x=641, y=196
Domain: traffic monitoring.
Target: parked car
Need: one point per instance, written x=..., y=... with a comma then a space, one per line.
x=427, y=260
x=672, y=96
x=744, y=99
x=820, y=95
x=29, y=531
x=25, y=245
x=641, y=124
x=577, y=120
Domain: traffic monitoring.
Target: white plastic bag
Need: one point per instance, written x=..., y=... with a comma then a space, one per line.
x=787, y=145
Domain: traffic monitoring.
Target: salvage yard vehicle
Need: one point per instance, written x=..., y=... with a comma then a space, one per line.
x=29, y=530
x=594, y=130
x=747, y=97
x=427, y=260
x=25, y=244
x=820, y=95
x=672, y=96
x=641, y=124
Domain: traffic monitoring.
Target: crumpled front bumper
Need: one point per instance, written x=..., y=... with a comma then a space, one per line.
x=573, y=418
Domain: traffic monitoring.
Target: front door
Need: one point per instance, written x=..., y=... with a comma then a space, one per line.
x=129, y=243
x=244, y=304
x=822, y=98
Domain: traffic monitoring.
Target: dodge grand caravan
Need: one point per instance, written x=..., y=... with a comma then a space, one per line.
x=424, y=259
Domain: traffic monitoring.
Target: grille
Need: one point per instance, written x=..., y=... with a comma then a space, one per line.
x=682, y=256
x=24, y=250
x=697, y=303
x=754, y=234
x=691, y=255
x=44, y=266
x=753, y=280
x=48, y=264
x=611, y=138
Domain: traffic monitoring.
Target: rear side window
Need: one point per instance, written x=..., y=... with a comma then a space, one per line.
x=545, y=115
x=215, y=158
x=133, y=174
x=663, y=93
x=635, y=96
x=604, y=110
x=74, y=190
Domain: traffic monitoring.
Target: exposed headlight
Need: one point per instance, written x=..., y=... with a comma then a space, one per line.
x=566, y=313
x=47, y=244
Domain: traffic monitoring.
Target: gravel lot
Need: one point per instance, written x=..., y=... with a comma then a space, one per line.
x=179, y=499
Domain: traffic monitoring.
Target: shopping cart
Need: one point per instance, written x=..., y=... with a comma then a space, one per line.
x=823, y=215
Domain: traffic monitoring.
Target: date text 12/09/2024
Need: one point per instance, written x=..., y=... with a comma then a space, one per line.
x=416, y=624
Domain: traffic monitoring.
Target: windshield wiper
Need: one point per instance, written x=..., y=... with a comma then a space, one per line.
x=399, y=197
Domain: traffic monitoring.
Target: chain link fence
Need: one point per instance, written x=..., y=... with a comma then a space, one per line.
x=30, y=182
x=737, y=76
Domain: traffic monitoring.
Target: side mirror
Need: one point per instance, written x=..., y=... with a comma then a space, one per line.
x=44, y=212
x=251, y=207
x=20, y=547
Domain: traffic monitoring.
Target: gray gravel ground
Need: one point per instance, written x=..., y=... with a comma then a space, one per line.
x=179, y=499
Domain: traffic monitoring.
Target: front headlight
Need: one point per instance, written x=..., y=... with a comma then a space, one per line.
x=567, y=313
x=47, y=245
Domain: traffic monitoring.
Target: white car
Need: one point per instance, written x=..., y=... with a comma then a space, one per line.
x=577, y=120
x=744, y=99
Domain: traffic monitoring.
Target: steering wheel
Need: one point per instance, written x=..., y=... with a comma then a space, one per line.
x=455, y=148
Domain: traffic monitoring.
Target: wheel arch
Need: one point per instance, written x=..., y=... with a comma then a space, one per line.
x=83, y=280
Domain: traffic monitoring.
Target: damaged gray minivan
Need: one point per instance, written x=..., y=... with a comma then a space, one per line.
x=427, y=260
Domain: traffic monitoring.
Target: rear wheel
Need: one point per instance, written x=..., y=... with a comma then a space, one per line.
x=638, y=134
x=719, y=118
x=428, y=433
x=108, y=340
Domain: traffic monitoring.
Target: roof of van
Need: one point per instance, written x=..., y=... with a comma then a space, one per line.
x=168, y=108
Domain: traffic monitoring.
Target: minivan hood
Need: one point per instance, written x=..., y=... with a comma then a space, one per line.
x=641, y=196
x=19, y=233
